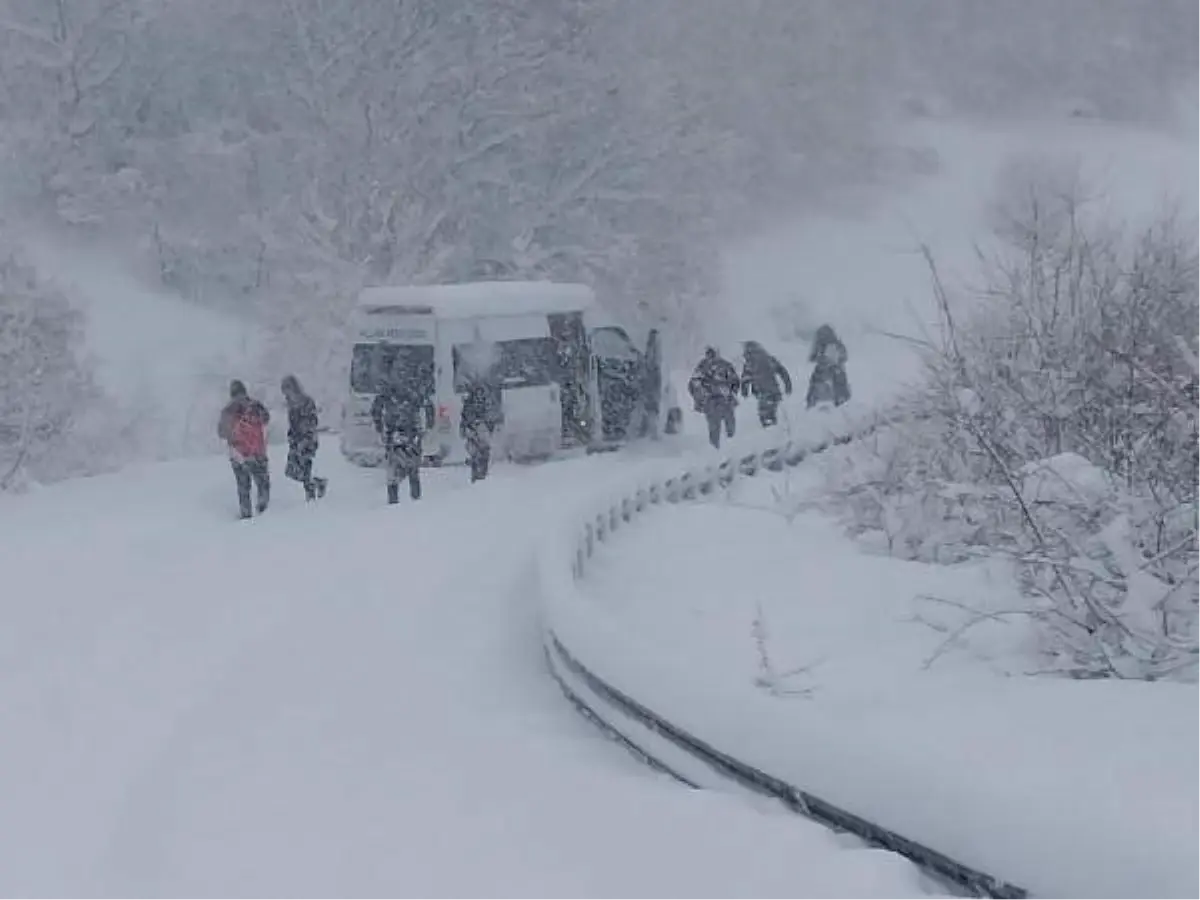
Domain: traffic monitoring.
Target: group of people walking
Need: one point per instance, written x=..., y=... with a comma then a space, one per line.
x=401, y=414
x=243, y=426
x=715, y=384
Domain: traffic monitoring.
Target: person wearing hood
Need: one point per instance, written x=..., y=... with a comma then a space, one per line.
x=763, y=374
x=243, y=427
x=829, y=368
x=402, y=411
x=714, y=388
x=303, y=423
x=482, y=413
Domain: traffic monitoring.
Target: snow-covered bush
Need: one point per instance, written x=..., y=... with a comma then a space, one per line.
x=44, y=383
x=1058, y=427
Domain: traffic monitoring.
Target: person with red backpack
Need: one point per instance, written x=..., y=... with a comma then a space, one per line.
x=243, y=426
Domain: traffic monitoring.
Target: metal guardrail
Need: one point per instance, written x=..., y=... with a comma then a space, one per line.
x=691, y=482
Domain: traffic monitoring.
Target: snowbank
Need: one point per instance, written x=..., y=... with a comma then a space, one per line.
x=564, y=562
x=1066, y=788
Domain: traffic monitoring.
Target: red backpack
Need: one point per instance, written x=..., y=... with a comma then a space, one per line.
x=247, y=436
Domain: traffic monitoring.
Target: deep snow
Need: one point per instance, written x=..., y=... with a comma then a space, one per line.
x=339, y=699
x=783, y=644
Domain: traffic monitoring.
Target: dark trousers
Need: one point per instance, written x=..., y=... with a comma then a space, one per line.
x=244, y=472
x=768, y=411
x=404, y=461
x=828, y=383
x=479, y=451
x=300, y=468
x=719, y=414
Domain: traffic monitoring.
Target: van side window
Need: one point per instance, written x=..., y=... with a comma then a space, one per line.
x=372, y=365
x=525, y=362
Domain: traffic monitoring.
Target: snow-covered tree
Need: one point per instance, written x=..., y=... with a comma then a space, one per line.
x=45, y=384
x=1059, y=429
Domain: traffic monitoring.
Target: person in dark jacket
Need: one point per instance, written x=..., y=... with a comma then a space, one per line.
x=829, y=369
x=243, y=427
x=762, y=374
x=482, y=414
x=302, y=438
x=714, y=388
x=397, y=414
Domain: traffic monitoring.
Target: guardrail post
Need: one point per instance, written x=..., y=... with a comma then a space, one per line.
x=750, y=464
x=688, y=485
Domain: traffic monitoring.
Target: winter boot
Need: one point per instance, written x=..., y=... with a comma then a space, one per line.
x=322, y=484
x=393, y=493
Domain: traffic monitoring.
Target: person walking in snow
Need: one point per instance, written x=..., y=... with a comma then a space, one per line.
x=397, y=414
x=714, y=388
x=243, y=427
x=482, y=414
x=828, y=379
x=762, y=374
x=303, y=422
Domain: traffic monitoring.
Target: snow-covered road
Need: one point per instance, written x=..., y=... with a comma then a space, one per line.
x=340, y=699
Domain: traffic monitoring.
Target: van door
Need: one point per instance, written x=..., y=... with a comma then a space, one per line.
x=652, y=380
x=619, y=365
x=530, y=396
x=575, y=376
x=525, y=371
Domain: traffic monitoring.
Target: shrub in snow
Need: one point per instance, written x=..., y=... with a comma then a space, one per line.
x=1058, y=427
x=45, y=385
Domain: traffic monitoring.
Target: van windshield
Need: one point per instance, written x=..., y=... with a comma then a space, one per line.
x=525, y=362
x=373, y=365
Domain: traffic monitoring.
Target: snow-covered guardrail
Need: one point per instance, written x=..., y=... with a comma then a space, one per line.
x=563, y=561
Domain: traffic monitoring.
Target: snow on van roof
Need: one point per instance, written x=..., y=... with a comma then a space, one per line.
x=483, y=298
